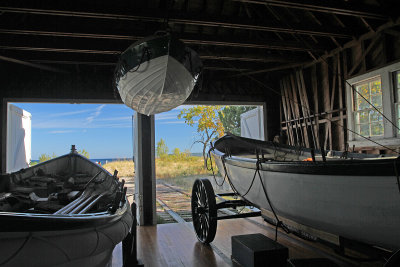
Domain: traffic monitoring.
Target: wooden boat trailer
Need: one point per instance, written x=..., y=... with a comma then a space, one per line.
x=205, y=209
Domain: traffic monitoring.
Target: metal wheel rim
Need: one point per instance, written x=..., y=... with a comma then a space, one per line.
x=204, y=212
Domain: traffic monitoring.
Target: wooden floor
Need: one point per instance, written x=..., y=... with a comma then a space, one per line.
x=176, y=245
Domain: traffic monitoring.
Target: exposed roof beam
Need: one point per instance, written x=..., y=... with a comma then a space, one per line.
x=318, y=8
x=197, y=22
x=225, y=57
x=101, y=63
x=33, y=65
x=276, y=68
x=368, y=35
x=273, y=45
x=60, y=50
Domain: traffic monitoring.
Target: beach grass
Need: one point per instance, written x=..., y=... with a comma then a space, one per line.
x=169, y=166
x=125, y=168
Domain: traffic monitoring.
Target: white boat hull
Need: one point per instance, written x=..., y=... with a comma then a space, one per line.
x=363, y=208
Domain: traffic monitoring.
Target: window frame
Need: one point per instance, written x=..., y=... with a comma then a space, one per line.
x=357, y=95
x=390, y=136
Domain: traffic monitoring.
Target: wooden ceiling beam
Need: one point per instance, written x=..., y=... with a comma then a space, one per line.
x=33, y=65
x=204, y=56
x=318, y=8
x=267, y=44
x=174, y=18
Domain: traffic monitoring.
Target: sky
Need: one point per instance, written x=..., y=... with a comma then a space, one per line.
x=104, y=130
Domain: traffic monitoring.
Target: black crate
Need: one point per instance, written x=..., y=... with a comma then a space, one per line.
x=258, y=250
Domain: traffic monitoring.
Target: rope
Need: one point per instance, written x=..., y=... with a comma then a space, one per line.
x=396, y=172
x=54, y=245
x=211, y=166
x=279, y=223
x=28, y=238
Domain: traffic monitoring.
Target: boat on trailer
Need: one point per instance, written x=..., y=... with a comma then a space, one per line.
x=351, y=195
x=67, y=211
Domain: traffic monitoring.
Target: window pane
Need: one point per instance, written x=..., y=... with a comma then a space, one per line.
x=398, y=94
x=398, y=111
x=363, y=90
x=376, y=100
x=364, y=129
x=376, y=87
x=377, y=129
x=361, y=117
x=375, y=115
x=398, y=79
x=362, y=104
x=368, y=121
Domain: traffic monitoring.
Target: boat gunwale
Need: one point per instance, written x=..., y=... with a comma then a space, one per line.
x=367, y=167
x=44, y=222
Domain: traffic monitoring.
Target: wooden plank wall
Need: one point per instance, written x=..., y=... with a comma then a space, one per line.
x=313, y=109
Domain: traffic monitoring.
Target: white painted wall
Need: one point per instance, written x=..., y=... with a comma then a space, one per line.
x=18, y=138
x=252, y=124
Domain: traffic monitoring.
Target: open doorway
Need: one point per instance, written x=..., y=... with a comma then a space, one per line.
x=180, y=160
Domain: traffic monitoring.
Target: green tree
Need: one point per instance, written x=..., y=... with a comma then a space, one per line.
x=177, y=152
x=208, y=121
x=230, y=117
x=162, y=149
x=45, y=157
x=84, y=153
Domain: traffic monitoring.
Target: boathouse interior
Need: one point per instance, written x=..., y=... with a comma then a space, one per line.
x=303, y=60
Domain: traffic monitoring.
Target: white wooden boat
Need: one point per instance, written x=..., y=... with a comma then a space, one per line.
x=67, y=211
x=357, y=197
x=157, y=74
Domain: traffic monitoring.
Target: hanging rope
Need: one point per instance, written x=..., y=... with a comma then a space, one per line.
x=208, y=158
x=28, y=238
x=279, y=223
x=396, y=172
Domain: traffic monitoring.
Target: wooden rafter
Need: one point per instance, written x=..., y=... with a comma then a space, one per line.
x=318, y=8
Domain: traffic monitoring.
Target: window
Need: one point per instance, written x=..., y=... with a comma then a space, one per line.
x=378, y=89
x=368, y=121
x=397, y=97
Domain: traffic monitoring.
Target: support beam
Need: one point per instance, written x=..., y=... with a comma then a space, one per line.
x=186, y=38
x=318, y=8
x=145, y=179
x=176, y=18
x=3, y=134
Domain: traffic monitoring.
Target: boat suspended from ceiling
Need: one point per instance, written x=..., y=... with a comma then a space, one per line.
x=351, y=195
x=67, y=211
x=157, y=73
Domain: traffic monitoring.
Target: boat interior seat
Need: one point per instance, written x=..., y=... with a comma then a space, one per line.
x=4, y=183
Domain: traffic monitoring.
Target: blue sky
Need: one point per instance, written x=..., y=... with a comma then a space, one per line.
x=104, y=130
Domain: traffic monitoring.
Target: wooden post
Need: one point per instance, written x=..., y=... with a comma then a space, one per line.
x=306, y=110
x=145, y=179
x=342, y=128
x=303, y=130
x=286, y=110
x=3, y=132
x=325, y=86
x=291, y=107
x=314, y=84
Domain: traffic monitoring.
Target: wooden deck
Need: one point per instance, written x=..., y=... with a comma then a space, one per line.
x=176, y=245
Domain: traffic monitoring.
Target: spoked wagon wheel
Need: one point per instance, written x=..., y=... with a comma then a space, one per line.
x=204, y=210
